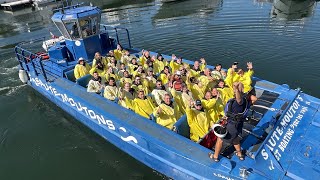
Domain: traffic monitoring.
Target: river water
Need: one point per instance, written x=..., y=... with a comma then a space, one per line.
x=40, y=141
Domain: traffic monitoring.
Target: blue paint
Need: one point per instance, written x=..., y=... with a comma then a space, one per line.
x=290, y=150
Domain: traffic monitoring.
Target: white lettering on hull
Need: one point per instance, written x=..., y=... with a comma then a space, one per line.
x=283, y=133
x=88, y=112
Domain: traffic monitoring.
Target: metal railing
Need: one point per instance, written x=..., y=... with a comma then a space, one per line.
x=116, y=29
x=27, y=58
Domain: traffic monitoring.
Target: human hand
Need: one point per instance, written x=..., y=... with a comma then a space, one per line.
x=249, y=65
x=173, y=57
x=202, y=60
x=159, y=110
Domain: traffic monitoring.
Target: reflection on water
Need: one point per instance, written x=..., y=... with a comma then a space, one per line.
x=118, y=3
x=292, y=10
x=187, y=7
x=24, y=20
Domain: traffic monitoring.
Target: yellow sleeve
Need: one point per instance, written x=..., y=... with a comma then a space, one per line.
x=76, y=72
x=208, y=104
x=190, y=115
x=155, y=112
x=172, y=65
x=93, y=69
x=203, y=66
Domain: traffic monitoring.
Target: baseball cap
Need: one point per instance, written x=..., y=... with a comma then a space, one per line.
x=235, y=63
x=81, y=59
x=178, y=73
x=198, y=102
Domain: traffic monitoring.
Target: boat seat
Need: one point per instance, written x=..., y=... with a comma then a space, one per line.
x=182, y=127
x=83, y=81
x=70, y=75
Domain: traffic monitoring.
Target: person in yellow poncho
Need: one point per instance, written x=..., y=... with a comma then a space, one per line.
x=219, y=106
x=126, y=57
x=175, y=63
x=143, y=105
x=216, y=73
x=226, y=93
x=206, y=79
x=165, y=75
x=99, y=68
x=195, y=86
x=198, y=68
x=151, y=78
x=209, y=104
x=199, y=120
x=126, y=96
x=95, y=84
x=232, y=75
x=110, y=73
x=159, y=64
x=81, y=69
x=99, y=58
x=111, y=91
x=186, y=98
x=145, y=57
x=133, y=65
x=245, y=77
x=158, y=92
x=126, y=78
x=140, y=84
x=167, y=113
x=118, y=52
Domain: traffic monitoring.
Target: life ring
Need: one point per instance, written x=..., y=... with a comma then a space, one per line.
x=43, y=55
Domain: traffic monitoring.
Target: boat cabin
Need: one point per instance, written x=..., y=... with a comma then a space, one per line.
x=80, y=27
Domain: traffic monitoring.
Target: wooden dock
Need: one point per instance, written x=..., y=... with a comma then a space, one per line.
x=11, y=5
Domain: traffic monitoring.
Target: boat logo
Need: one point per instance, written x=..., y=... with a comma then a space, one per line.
x=129, y=138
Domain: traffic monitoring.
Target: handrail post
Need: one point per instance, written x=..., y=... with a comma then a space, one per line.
x=34, y=67
x=117, y=35
x=18, y=58
x=128, y=35
x=25, y=59
x=43, y=71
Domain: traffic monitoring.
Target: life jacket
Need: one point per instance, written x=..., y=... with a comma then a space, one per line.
x=177, y=85
x=236, y=116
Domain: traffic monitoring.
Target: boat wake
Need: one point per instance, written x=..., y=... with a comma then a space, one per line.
x=10, y=90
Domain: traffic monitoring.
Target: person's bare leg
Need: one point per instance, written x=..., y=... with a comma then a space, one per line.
x=217, y=148
x=238, y=149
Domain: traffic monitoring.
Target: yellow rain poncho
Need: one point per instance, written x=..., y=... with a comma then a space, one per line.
x=111, y=92
x=126, y=100
x=226, y=94
x=168, y=116
x=143, y=107
x=81, y=70
x=158, y=66
x=199, y=122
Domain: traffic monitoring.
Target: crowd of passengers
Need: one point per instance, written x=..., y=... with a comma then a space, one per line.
x=166, y=89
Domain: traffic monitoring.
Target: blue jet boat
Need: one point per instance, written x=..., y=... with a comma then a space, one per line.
x=280, y=135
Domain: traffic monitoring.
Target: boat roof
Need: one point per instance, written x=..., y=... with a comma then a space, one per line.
x=75, y=13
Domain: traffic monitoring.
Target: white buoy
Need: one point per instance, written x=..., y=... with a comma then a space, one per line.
x=23, y=76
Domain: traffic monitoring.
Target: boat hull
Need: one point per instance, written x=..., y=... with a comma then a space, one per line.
x=139, y=145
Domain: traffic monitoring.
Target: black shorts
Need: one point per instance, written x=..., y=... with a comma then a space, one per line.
x=234, y=128
x=233, y=141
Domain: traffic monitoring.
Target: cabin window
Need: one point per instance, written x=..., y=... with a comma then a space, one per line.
x=73, y=30
x=89, y=26
x=62, y=29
